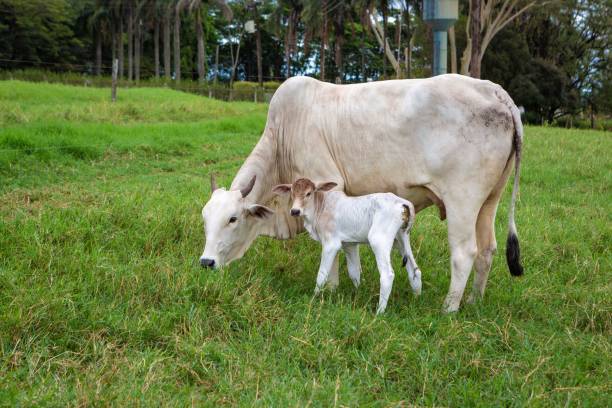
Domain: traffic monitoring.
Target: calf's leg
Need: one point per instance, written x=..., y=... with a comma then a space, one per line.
x=328, y=256
x=414, y=273
x=334, y=280
x=352, y=262
x=382, y=244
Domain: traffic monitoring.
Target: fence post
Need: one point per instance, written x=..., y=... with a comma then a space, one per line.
x=255, y=95
x=114, y=82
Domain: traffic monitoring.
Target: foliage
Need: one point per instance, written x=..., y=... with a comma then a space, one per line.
x=102, y=301
x=554, y=58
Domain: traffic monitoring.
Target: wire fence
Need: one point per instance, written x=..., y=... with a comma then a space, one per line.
x=80, y=75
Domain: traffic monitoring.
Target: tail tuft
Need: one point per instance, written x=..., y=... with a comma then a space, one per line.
x=404, y=261
x=513, y=255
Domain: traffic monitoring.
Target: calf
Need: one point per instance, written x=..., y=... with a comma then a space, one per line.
x=339, y=221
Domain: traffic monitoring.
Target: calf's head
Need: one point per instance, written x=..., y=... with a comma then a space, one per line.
x=302, y=194
x=231, y=224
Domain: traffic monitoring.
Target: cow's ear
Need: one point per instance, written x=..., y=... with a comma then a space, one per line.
x=326, y=186
x=259, y=211
x=282, y=189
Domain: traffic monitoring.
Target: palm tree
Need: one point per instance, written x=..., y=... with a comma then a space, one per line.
x=252, y=6
x=339, y=13
x=178, y=8
x=384, y=8
x=315, y=17
x=129, y=7
x=287, y=17
x=167, y=8
x=99, y=23
x=197, y=7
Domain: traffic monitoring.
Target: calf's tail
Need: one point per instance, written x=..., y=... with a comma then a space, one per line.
x=408, y=214
x=513, y=251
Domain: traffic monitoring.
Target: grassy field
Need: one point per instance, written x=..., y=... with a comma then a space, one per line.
x=102, y=301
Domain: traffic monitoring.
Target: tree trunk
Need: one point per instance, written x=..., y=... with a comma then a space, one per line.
x=177, y=45
x=167, y=48
x=130, y=34
x=398, y=34
x=98, y=52
x=156, y=47
x=475, y=38
x=120, y=49
x=339, y=43
x=363, y=59
x=201, y=46
x=409, y=58
x=288, y=47
x=137, y=38
x=216, y=64
x=453, y=49
x=324, y=39
x=234, y=62
x=384, y=36
x=259, y=61
x=113, y=43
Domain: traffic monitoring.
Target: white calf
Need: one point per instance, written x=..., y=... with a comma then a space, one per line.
x=339, y=221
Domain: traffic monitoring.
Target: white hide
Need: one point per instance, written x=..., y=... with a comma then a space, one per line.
x=449, y=140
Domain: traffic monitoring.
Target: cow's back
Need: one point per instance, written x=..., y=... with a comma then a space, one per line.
x=391, y=135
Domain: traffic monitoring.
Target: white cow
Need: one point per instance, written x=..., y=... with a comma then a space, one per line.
x=338, y=221
x=449, y=140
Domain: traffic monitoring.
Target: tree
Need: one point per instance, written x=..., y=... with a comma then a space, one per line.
x=167, y=9
x=474, y=37
x=178, y=8
x=494, y=15
x=197, y=7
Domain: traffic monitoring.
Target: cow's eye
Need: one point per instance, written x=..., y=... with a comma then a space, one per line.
x=308, y=195
x=233, y=220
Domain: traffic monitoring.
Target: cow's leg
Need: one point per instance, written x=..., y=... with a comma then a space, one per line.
x=487, y=245
x=328, y=256
x=334, y=280
x=352, y=262
x=485, y=236
x=414, y=273
x=381, y=242
x=462, y=241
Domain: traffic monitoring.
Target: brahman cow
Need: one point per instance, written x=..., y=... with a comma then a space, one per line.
x=449, y=140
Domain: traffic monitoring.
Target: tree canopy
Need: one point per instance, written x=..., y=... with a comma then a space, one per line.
x=553, y=56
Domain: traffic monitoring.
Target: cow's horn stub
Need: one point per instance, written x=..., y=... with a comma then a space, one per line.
x=213, y=182
x=247, y=189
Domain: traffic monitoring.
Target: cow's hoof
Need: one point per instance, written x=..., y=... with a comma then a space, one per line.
x=473, y=298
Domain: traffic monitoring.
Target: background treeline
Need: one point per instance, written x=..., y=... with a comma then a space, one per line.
x=552, y=56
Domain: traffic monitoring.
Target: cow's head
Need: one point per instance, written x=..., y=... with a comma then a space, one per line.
x=230, y=224
x=302, y=193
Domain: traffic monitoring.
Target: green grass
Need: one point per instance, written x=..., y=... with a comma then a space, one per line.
x=102, y=301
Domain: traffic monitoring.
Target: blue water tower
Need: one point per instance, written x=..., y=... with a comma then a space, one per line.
x=441, y=15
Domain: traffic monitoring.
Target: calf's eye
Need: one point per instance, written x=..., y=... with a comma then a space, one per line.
x=233, y=220
x=308, y=195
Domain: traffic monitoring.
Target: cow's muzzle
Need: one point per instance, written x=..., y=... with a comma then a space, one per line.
x=207, y=263
x=295, y=212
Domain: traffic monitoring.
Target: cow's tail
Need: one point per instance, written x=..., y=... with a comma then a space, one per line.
x=513, y=251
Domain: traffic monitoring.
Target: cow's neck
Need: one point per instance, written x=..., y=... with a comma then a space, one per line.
x=262, y=163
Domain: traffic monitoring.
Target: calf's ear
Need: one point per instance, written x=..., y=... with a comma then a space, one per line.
x=282, y=189
x=326, y=186
x=259, y=211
